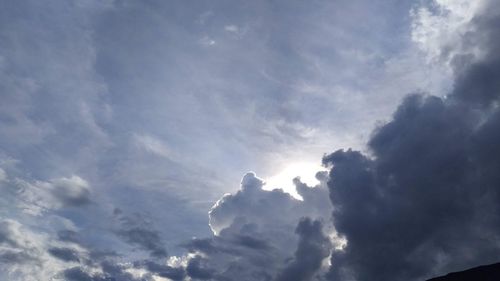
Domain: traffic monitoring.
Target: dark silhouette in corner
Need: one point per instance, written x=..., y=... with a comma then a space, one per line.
x=482, y=273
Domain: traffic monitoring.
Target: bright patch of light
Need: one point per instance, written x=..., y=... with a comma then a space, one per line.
x=437, y=27
x=284, y=179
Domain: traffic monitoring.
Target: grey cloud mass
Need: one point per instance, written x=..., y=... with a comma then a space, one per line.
x=65, y=254
x=313, y=247
x=165, y=271
x=123, y=123
x=135, y=229
x=425, y=202
x=255, y=234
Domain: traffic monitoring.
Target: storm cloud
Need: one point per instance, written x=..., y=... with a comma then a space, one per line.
x=313, y=247
x=425, y=200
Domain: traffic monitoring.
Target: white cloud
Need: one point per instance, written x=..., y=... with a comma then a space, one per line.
x=207, y=41
x=231, y=28
x=438, y=28
x=152, y=145
x=23, y=253
x=255, y=225
x=3, y=175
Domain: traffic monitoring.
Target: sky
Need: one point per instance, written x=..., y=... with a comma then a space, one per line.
x=248, y=140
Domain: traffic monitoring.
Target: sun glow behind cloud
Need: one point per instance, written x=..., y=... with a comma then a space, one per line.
x=306, y=171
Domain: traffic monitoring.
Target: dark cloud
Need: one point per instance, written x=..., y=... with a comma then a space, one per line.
x=78, y=274
x=478, y=82
x=112, y=270
x=68, y=236
x=146, y=239
x=251, y=242
x=72, y=191
x=426, y=200
x=174, y=273
x=116, y=271
x=109, y=270
x=136, y=230
x=204, y=245
x=198, y=268
x=312, y=249
x=65, y=254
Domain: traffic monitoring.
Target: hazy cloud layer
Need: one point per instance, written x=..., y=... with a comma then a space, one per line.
x=122, y=122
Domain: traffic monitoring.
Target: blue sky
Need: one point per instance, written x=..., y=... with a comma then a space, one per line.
x=124, y=116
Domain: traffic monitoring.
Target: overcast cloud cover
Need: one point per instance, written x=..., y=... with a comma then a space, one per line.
x=123, y=123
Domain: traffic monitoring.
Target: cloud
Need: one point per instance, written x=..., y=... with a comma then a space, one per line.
x=80, y=113
x=425, y=202
x=111, y=269
x=40, y=240
x=162, y=270
x=77, y=274
x=3, y=175
x=312, y=249
x=36, y=197
x=7, y=234
x=82, y=274
x=43, y=237
x=197, y=268
x=152, y=145
x=68, y=236
x=65, y=254
x=15, y=246
x=40, y=237
x=254, y=233
x=438, y=28
x=267, y=209
x=231, y=28
x=22, y=252
x=73, y=191
x=136, y=230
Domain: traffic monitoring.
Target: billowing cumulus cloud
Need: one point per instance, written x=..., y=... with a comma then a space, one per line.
x=264, y=235
x=253, y=206
x=426, y=200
